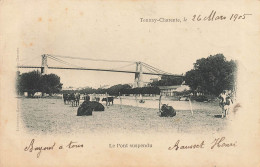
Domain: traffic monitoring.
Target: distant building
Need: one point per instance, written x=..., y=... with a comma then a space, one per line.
x=172, y=90
x=154, y=79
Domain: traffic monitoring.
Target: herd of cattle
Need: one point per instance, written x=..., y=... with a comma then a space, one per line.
x=74, y=98
x=87, y=106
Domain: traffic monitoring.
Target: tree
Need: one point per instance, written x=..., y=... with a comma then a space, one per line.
x=50, y=84
x=29, y=82
x=212, y=75
x=194, y=79
x=32, y=82
x=114, y=90
x=167, y=81
x=143, y=90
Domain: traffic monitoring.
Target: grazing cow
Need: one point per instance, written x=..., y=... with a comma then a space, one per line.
x=141, y=101
x=72, y=99
x=108, y=100
x=84, y=109
x=97, y=106
x=225, y=103
x=87, y=107
x=77, y=98
x=167, y=111
x=65, y=98
x=86, y=97
x=97, y=99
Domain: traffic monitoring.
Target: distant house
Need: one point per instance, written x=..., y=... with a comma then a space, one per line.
x=154, y=79
x=172, y=90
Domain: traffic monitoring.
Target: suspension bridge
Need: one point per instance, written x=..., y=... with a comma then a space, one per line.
x=141, y=68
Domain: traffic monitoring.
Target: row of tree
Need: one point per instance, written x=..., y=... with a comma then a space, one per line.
x=143, y=90
x=114, y=90
x=167, y=81
x=34, y=81
x=117, y=90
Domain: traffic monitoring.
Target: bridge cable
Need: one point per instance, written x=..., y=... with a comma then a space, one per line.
x=57, y=60
x=90, y=59
x=123, y=66
x=62, y=61
x=153, y=68
x=150, y=70
x=147, y=66
x=66, y=63
x=156, y=69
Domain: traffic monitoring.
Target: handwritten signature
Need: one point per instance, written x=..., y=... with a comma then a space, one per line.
x=217, y=143
x=31, y=147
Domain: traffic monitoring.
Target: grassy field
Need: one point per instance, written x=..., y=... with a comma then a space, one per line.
x=51, y=116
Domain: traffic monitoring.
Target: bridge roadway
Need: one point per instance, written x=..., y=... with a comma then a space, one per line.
x=94, y=69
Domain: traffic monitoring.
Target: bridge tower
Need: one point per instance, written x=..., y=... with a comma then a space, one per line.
x=138, y=75
x=44, y=67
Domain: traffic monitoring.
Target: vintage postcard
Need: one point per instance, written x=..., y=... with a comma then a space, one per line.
x=129, y=83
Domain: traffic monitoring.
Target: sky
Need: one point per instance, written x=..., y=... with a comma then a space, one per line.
x=96, y=30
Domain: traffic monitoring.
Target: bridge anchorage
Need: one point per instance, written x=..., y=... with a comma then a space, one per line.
x=139, y=70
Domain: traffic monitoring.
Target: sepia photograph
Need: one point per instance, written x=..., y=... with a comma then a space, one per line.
x=142, y=98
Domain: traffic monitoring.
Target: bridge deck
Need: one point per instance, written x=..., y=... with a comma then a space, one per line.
x=94, y=69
